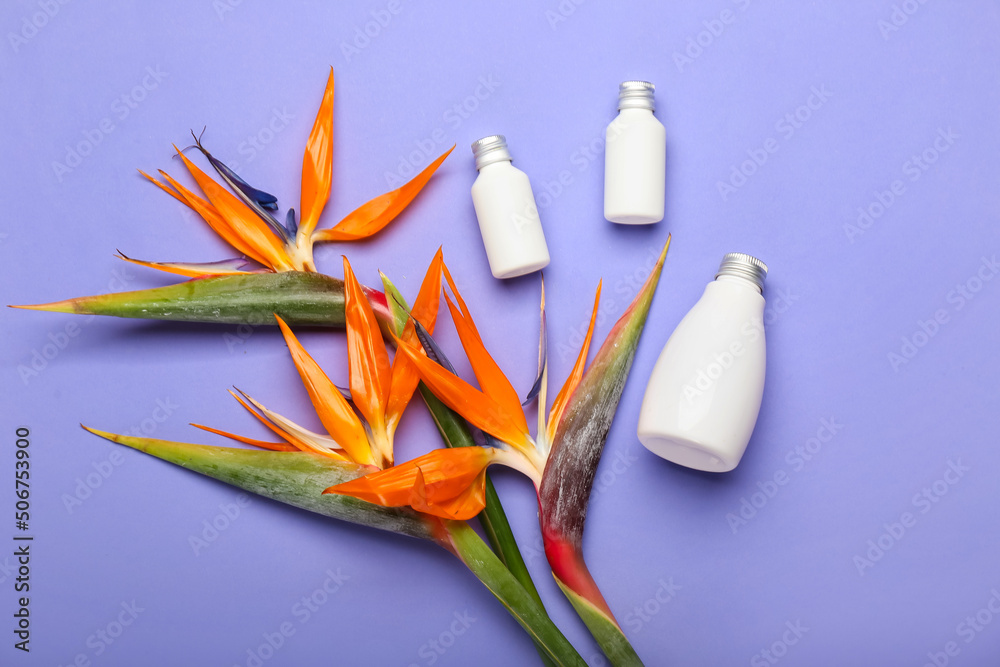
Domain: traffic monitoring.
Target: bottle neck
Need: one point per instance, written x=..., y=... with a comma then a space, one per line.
x=489, y=150
x=745, y=268
x=636, y=95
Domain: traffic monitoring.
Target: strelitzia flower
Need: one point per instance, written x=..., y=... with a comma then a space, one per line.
x=243, y=217
x=276, y=270
x=561, y=460
x=360, y=421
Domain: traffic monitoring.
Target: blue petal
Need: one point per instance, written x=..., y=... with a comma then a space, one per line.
x=290, y=225
x=261, y=202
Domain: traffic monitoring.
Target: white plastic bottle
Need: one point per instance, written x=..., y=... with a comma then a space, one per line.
x=506, y=210
x=704, y=395
x=635, y=158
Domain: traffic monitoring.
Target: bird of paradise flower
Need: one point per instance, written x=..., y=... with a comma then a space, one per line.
x=360, y=421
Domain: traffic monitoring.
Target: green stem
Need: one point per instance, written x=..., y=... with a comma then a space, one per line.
x=576, y=582
x=604, y=629
x=455, y=432
x=477, y=556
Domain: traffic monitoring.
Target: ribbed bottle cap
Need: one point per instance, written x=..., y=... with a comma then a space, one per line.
x=745, y=266
x=636, y=95
x=489, y=150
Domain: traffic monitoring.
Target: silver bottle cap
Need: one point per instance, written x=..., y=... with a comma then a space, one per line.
x=636, y=95
x=744, y=266
x=489, y=150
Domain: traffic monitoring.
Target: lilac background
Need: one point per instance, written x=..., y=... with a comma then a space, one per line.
x=545, y=76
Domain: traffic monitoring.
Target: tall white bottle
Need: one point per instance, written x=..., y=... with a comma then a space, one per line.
x=635, y=158
x=506, y=210
x=704, y=395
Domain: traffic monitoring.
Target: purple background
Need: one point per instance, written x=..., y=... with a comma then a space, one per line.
x=841, y=301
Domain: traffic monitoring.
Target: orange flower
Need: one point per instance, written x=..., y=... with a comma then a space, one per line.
x=243, y=217
x=456, y=489
x=449, y=482
x=360, y=421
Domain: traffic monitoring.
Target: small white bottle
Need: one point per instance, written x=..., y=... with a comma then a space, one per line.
x=635, y=158
x=704, y=395
x=506, y=210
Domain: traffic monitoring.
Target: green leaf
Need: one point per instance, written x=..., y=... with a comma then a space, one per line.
x=294, y=478
x=577, y=446
x=299, y=478
x=583, y=429
x=300, y=298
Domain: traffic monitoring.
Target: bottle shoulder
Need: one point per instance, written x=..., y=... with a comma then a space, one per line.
x=499, y=174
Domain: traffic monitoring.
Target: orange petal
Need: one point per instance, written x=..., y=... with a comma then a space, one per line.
x=481, y=410
x=404, y=375
x=334, y=411
x=370, y=372
x=562, y=398
x=372, y=216
x=492, y=380
x=271, y=421
x=192, y=270
x=449, y=483
x=243, y=221
x=165, y=188
x=208, y=214
x=317, y=163
x=273, y=446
